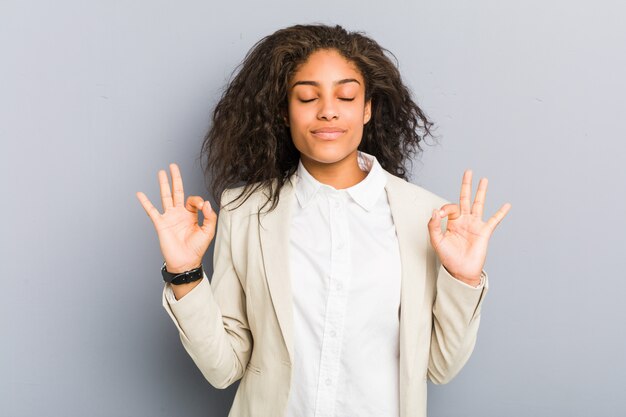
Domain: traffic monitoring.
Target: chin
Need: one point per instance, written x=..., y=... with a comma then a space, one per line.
x=326, y=152
x=329, y=156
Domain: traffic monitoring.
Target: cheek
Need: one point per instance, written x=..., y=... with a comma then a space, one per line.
x=300, y=117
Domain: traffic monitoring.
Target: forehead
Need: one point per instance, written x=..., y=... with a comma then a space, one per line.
x=326, y=66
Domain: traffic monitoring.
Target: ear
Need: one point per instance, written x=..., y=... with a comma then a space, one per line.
x=367, y=111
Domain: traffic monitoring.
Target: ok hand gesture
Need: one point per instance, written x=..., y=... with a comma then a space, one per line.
x=462, y=249
x=183, y=241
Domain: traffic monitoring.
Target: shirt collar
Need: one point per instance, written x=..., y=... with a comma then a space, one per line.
x=364, y=193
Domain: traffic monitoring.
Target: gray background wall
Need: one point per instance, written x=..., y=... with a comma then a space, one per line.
x=96, y=97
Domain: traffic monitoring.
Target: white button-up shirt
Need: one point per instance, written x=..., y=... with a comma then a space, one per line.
x=345, y=278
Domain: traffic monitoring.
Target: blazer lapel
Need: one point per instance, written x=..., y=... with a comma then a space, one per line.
x=408, y=214
x=274, y=228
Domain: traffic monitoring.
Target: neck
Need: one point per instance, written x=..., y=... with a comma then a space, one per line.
x=341, y=174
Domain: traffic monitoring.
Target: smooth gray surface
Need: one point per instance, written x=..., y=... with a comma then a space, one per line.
x=95, y=97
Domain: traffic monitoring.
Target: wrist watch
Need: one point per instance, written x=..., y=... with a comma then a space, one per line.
x=183, y=277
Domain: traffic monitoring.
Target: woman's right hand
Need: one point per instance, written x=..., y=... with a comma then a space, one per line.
x=183, y=241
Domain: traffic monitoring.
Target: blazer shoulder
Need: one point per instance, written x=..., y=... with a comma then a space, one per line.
x=420, y=193
x=239, y=200
x=232, y=200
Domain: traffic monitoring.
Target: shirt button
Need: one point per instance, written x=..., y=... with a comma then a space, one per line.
x=333, y=333
x=328, y=381
x=339, y=286
x=337, y=204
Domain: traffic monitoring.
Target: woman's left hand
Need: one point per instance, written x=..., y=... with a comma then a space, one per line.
x=462, y=249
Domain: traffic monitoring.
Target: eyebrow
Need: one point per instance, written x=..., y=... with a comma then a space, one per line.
x=316, y=84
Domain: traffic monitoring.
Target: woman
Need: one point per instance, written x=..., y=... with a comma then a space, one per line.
x=347, y=293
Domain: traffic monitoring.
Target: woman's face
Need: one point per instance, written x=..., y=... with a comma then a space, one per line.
x=327, y=109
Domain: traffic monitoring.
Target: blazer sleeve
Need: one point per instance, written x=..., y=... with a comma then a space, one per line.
x=456, y=318
x=211, y=319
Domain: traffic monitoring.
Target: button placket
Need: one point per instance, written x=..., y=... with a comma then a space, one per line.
x=335, y=308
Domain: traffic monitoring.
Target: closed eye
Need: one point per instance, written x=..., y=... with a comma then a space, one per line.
x=341, y=98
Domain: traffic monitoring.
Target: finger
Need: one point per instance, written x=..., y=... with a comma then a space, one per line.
x=177, y=184
x=479, y=201
x=498, y=216
x=466, y=192
x=166, y=194
x=452, y=211
x=152, y=212
x=194, y=203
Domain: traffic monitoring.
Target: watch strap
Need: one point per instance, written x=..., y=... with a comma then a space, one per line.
x=182, y=277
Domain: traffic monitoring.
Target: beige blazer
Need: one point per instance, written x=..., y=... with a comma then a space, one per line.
x=240, y=325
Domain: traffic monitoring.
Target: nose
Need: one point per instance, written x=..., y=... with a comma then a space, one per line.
x=328, y=110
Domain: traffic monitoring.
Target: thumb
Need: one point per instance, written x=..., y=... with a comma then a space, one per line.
x=210, y=219
x=434, y=228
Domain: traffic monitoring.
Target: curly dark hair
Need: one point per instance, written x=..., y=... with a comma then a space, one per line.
x=249, y=143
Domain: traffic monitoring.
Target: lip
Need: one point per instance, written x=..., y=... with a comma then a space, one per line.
x=328, y=133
